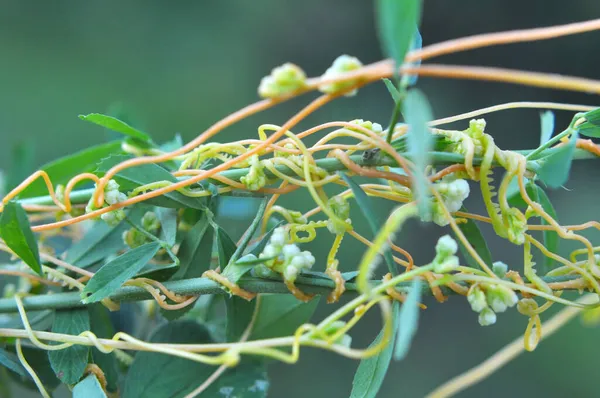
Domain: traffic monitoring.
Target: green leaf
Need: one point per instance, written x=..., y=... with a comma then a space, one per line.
x=551, y=238
x=591, y=127
x=89, y=388
x=17, y=234
x=547, y=122
x=168, y=224
x=195, y=251
x=194, y=255
x=115, y=124
x=12, y=363
x=555, y=168
x=154, y=375
x=63, y=169
x=226, y=247
x=38, y=360
x=396, y=22
x=280, y=315
x=250, y=232
x=473, y=234
x=113, y=274
x=134, y=177
x=408, y=320
x=69, y=364
x=98, y=243
x=417, y=112
x=371, y=371
x=102, y=327
x=239, y=314
x=102, y=240
x=373, y=219
x=396, y=95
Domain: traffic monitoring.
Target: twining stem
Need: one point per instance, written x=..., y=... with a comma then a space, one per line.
x=327, y=164
x=198, y=286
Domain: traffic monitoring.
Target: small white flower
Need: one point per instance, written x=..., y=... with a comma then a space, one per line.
x=476, y=298
x=487, y=317
x=289, y=251
x=271, y=251
x=290, y=273
x=500, y=268
x=446, y=246
x=341, y=65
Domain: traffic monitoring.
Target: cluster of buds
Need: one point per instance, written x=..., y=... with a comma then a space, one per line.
x=286, y=258
x=112, y=196
x=454, y=191
x=445, y=255
x=283, y=80
x=341, y=208
x=374, y=127
x=342, y=65
x=460, y=140
x=490, y=299
x=135, y=238
x=256, y=178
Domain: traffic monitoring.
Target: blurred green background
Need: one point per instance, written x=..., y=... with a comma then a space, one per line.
x=178, y=67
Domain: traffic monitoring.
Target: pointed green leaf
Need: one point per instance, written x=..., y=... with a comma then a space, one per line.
x=69, y=364
x=113, y=274
x=555, y=168
x=153, y=375
x=195, y=251
x=168, y=224
x=101, y=240
x=239, y=314
x=280, y=315
x=226, y=247
x=115, y=124
x=89, y=388
x=16, y=232
x=397, y=21
x=194, y=256
x=547, y=122
x=62, y=170
x=373, y=219
x=473, y=234
x=250, y=232
x=591, y=127
x=417, y=112
x=12, y=363
x=258, y=247
x=134, y=177
x=102, y=327
x=38, y=360
x=408, y=320
x=396, y=95
x=551, y=238
x=371, y=371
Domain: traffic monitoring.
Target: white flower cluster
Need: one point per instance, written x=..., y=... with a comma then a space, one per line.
x=283, y=80
x=341, y=65
x=341, y=208
x=256, y=178
x=445, y=259
x=112, y=196
x=454, y=191
x=374, y=127
x=489, y=299
x=288, y=259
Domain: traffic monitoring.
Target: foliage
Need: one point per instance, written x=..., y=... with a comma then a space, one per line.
x=145, y=228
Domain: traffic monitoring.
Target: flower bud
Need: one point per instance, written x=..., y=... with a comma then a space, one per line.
x=476, y=297
x=283, y=80
x=500, y=269
x=487, y=317
x=341, y=65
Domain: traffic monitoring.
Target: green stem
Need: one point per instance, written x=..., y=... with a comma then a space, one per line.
x=327, y=164
x=196, y=286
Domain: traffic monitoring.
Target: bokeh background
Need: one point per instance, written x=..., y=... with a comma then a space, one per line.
x=177, y=67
